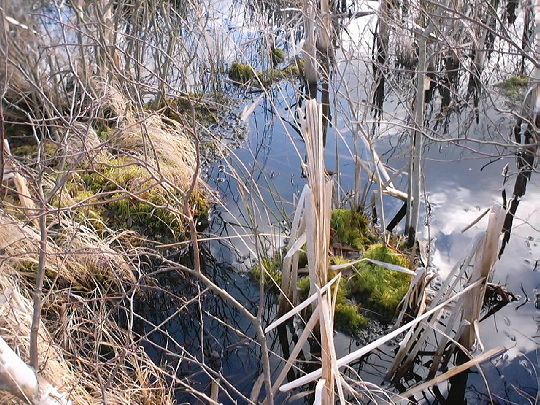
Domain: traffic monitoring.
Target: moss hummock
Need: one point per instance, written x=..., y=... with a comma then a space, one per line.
x=277, y=55
x=366, y=290
x=377, y=288
x=351, y=228
x=247, y=75
x=514, y=87
x=272, y=273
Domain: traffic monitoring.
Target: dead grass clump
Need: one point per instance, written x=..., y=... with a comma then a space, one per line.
x=76, y=259
x=88, y=356
x=15, y=321
x=114, y=365
x=80, y=146
x=165, y=147
x=113, y=105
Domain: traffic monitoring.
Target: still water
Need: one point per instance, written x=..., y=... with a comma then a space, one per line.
x=460, y=183
x=258, y=181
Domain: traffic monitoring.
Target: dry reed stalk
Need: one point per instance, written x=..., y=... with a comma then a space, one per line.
x=314, y=375
x=460, y=324
x=410, y=346
x=316, y=317
x=318, y=213
x=482, y=270
x=313, y=212
x=413, y=342
x=450, y=373
x=289, y=268
x=318, y=202
x=308, y=328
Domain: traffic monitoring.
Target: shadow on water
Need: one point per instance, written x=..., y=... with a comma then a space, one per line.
x=194, y=333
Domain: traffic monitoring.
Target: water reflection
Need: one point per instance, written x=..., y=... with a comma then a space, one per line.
x=258, y=184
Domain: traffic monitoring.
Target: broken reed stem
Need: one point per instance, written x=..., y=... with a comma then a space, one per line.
x=318, y=213
x=345, y=360
x=450, y=373
x=483, y=265
x=318, y=204
x=466, y=311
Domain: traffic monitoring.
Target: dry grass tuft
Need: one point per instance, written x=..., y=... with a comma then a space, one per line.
x=165, y=147
x=88, y=354
x=15, y=321
x=78, y=258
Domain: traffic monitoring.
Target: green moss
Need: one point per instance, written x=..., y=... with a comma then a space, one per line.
x=245, y=74
x=292, y=71
x=370, y=288
x=150, y=214
x=241, y=73
x=376, y=287
x=27, y=267
x=106, y=133
x=348, y=317
x=272, y=275
x=121, y=195
x=514, y=87
x=303, y=287
x=28, y=152
x=351, y=228
x=208, y=111
x=277, y=55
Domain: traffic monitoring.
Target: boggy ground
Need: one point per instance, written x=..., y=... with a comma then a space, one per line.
x=110, y=190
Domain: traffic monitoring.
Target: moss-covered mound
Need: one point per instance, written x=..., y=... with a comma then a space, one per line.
x=348, y=316
x=514, y=87
x=366, y=290
x=375, y=287
x=272, y=272
x=351, y=228
x=139, y=183
x=247, y=75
